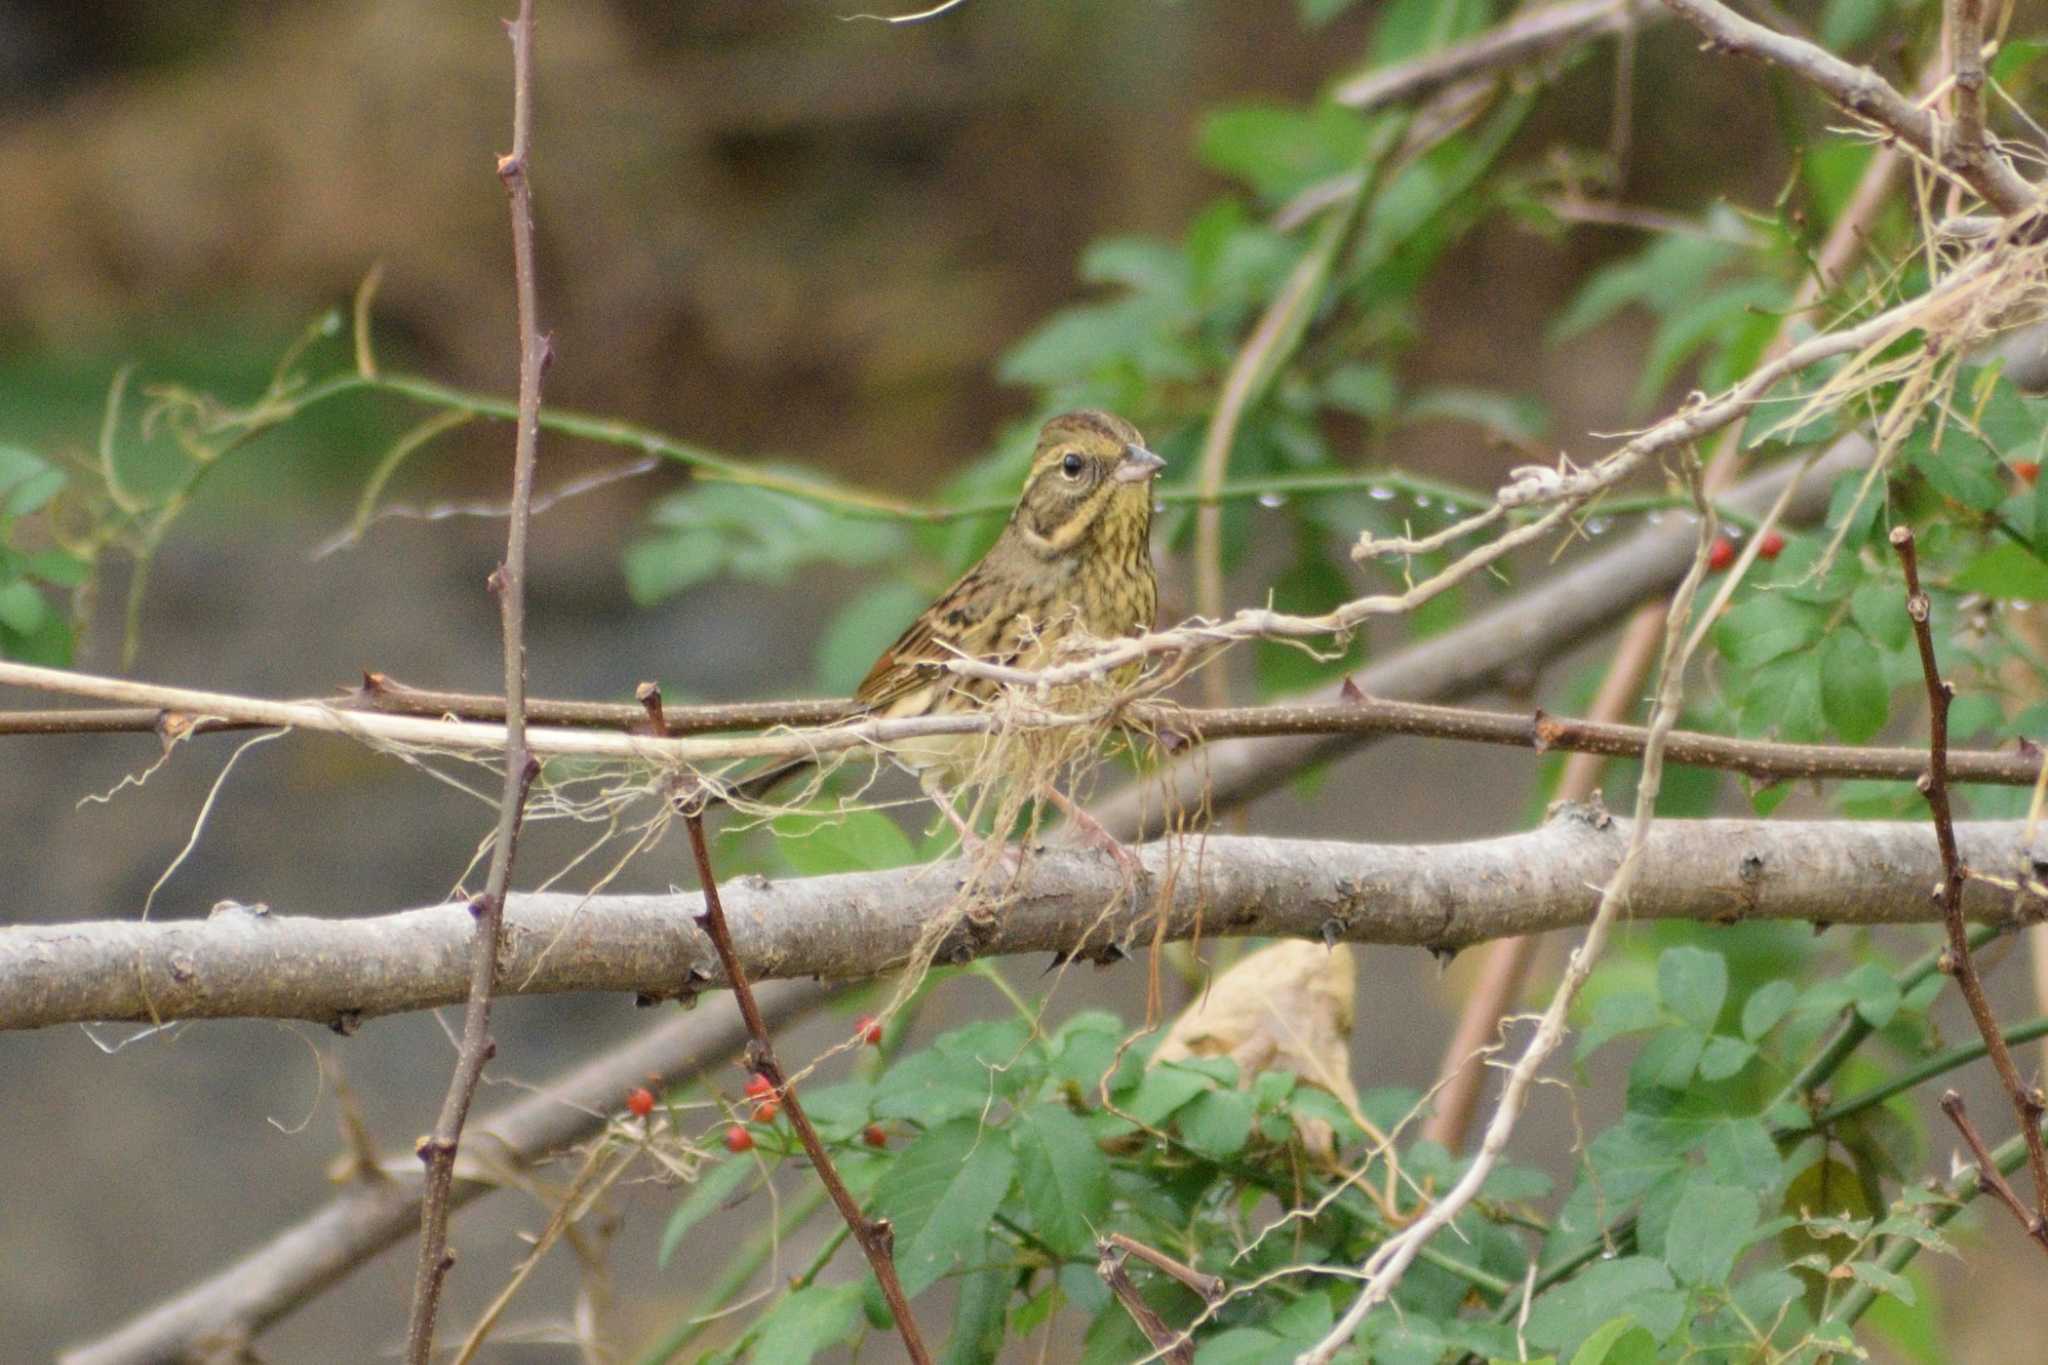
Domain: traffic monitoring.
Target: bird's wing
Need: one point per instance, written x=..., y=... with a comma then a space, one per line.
x=946, y=630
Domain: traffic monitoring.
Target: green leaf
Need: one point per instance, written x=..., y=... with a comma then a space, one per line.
x=32, y=493
x=1665, y=277
x=59, y=569
x=1693, y=983
x=1768, y=626
x=1515, y=416
x=1845, y=23
x=1709, y=1228
x=1882, y=1280
x=977, y=1335
x=1217, y=1124
x=2005, y=571
x=1316, y=13
x=960, y=1073
x=941, y=1194
x=1279, y=150
x=1570, y=1313
x=1962, y=469
x=1669, y=1059
x=749, y=532
x=1766, y=1006
x=815, y=844
x=1614, y=1016
x=1723, y=1056
x=1064, y=1177
x=811, y=1320
x=712, y=1189
x=1879, y=610
x=1163, y=1091
x=1617, y=1341
x=22, y=607
x=1368, y=391
x=1876, y=993
x=1242, y=1346
x=1853, y=695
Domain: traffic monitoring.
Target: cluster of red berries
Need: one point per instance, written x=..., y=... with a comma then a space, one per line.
x=1722, y=553
x=767, y=1104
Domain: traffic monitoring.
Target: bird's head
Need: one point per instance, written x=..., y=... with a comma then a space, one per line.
x=1091, y=472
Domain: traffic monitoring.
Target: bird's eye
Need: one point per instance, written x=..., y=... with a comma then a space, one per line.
x=1073, y=464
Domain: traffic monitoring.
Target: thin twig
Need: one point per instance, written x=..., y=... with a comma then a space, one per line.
x=875, y=1235
x=438, y=1151
x=1530, y=34
x=2026, y=1101
x=1987, y=1169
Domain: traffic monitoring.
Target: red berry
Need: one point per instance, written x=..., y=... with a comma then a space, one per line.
x=766, y=1110
x=1721, y=554
x=868, y=1029
x=873, y=1136
x=2028, y=470
x=738, y=1139
x=1771, y=546
x=640, y=1101
x=759, y=1087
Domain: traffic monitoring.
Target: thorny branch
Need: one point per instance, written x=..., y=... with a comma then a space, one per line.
x=2026, y=1101
x=1988, y=1174
x=1867, y=95
x=1763, y=760
x=875, y=1236
x=521, y=767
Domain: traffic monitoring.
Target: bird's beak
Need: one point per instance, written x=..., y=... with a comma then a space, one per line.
x=1137, y=465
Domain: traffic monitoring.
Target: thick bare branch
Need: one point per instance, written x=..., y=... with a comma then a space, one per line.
x=1445, y=896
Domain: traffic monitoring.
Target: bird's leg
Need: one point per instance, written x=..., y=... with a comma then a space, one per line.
x=1009, y=857
x=1092, y=829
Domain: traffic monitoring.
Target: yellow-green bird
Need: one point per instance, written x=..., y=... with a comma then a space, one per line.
x=1075, y=556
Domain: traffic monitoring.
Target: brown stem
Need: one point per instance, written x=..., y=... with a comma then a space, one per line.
x=875, y=1236
x=1173, y=1347
x=437, y=1151
x=1209, y=1287
x=2026, y=1102
x=1763, y=760
x=1988, y=1174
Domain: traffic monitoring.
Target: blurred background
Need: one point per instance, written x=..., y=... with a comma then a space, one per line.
x=764, y=230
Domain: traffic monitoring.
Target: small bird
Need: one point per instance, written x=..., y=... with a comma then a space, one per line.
x=1075, y=557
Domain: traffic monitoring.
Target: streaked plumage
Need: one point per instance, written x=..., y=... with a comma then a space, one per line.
x=1074, y=556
